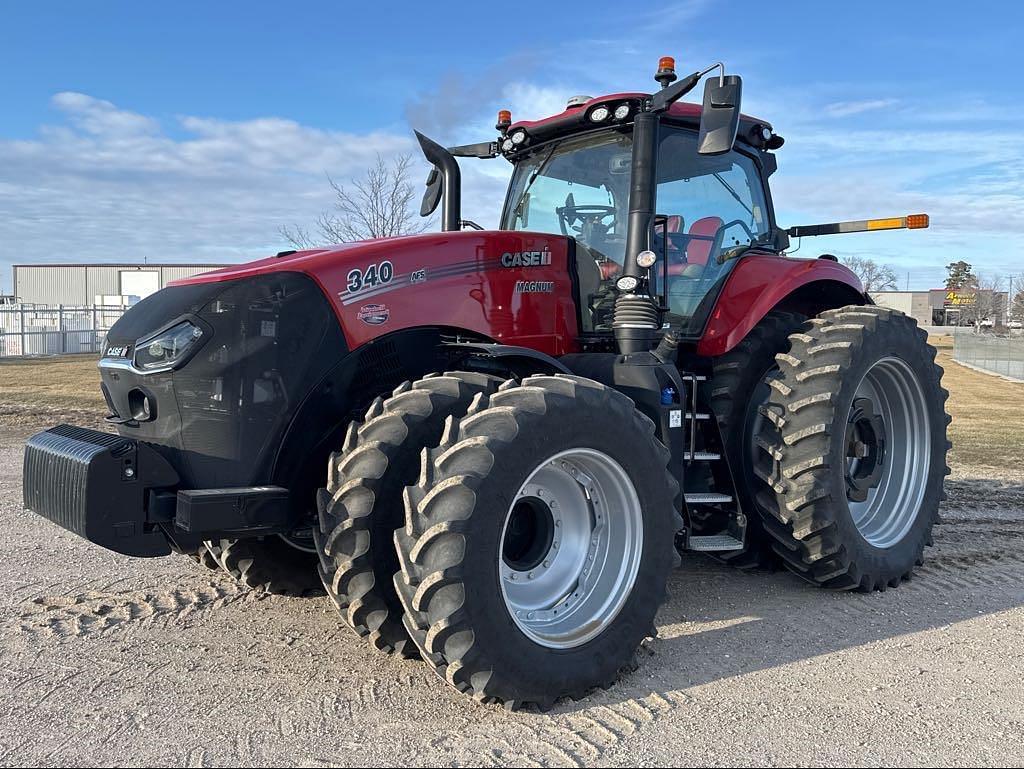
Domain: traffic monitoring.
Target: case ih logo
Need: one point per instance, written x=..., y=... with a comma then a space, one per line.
x=526, y=258
x=374, y=314
x=120, y=351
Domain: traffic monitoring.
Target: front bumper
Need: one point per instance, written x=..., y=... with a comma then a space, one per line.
x=122, y=494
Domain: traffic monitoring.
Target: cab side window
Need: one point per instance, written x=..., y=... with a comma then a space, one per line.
x=713, y=204
x=712, y=208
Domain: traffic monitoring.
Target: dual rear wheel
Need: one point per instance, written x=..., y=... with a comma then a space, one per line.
x=836, y=431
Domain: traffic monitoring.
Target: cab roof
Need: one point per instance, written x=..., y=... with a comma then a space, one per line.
x=685, y=113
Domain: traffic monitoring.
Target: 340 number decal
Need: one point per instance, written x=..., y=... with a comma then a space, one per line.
x=372, y=276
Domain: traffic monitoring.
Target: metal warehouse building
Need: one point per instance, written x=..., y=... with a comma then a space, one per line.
x=88, y=284
x=916, y=304
x=942, y=307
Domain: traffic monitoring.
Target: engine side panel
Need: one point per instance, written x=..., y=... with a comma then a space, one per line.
x=759, y=283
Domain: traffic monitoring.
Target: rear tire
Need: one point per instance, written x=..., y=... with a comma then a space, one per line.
x=465, y=547
x=853, y=449
x=362, y=504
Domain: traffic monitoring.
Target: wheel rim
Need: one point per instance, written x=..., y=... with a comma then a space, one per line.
x=888, y=449
x=570, y=548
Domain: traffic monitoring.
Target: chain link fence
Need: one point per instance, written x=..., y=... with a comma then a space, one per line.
x=54, y=330
x=999, y=353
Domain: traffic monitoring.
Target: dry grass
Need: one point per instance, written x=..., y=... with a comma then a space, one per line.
x=988, y=416
x=987, y=429
x=988, y=419
x=71, y=381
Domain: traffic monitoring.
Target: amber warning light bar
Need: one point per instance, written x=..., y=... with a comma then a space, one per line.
x=911, y=222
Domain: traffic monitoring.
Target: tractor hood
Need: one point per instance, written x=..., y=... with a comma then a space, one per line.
x=262, y=335
x=464, y=280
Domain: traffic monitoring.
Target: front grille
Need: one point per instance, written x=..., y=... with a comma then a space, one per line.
x=221, y=417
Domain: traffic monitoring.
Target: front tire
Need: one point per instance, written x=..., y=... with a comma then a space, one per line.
x=271, y=564
x=362, y=503
x=853, y=449
x=491, y=513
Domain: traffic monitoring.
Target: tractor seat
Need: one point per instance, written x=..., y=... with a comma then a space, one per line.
x=673, y=223
x=698, y=249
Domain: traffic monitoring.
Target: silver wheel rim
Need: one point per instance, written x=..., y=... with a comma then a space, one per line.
x=570, y=548
x=900, y=465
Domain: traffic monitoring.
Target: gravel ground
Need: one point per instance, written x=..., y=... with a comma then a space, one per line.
x=109, y=660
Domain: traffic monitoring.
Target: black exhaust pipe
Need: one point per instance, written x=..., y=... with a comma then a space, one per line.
x=451, y=179
x=642, y=189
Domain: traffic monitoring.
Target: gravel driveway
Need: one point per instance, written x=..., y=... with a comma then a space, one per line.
x=108, y=660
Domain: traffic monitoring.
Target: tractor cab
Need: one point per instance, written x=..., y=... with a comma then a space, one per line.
x=710, y=209
x=629, y=174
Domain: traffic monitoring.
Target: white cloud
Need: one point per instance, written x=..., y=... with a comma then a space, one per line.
x=110, y=184
x=99, y=117
x=847, y=108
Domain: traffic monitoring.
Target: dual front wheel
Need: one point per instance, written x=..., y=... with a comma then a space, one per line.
x=535, y=528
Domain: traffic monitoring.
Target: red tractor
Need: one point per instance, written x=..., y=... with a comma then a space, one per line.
x=490, y=446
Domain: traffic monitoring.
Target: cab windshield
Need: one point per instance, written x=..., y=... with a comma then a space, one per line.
x=577, y=187
x=710, y=210
x=580, y=187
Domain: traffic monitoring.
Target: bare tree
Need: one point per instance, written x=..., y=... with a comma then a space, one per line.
x=379, y=205
x=988, y=305
x=1016, y=296
x=874, y=276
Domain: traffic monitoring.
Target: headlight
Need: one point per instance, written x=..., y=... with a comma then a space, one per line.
x=168, y=348
x=626, y=283
x=599, y=113
x=622, y=112
x=518, y=137
x=646, y=259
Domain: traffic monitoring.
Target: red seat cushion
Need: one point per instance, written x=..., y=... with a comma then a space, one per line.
x=698, y=250
x=674, y=223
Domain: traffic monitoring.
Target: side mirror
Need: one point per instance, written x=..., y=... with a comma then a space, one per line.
x=432, y=195
x=720, y=116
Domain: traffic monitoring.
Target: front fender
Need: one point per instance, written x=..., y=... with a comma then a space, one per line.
x=759, y=284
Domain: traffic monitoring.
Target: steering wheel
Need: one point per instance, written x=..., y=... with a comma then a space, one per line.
x=716, y=245
x=588, y=217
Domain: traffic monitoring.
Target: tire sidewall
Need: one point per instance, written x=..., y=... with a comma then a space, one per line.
x=893, y=339
x=538, y=669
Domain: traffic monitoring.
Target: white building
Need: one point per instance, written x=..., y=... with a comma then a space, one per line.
x=88, y=284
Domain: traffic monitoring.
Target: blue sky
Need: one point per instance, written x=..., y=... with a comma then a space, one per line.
x=191, y=132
